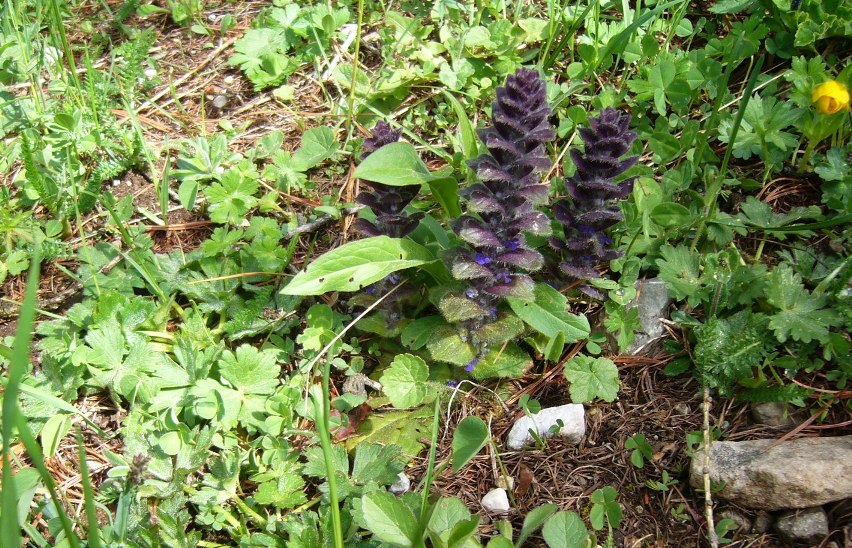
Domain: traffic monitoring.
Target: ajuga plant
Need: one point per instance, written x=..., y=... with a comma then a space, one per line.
x=500, y=210
x=593, y=190
x=387, y=202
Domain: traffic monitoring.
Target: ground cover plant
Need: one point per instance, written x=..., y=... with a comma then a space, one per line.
x=286, y=275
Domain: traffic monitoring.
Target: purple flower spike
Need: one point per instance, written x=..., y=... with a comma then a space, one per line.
x=592, y=208
x=387, y=202
x=471, y=364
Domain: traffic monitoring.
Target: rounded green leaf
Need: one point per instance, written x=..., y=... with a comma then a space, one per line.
x=565, y=530
x=356, y=264
x=405, y=382
x=470, y=436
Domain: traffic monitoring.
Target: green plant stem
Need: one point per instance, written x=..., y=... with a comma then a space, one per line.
x=351, y=114
x=325, y=441
x=430, y=468
x=714, y=188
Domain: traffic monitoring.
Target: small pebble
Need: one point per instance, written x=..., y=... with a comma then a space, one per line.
x=150, y=73
x=402, y=484
x=496, y=501
x=229, y=79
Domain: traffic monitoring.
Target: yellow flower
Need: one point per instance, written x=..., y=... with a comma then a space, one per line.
x=830, y=97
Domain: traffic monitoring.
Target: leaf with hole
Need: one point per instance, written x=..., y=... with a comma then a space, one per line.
x=357, y=264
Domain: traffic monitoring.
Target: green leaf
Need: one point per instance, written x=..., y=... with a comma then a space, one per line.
x=507, y=361
x=318, y=144
x=592, y=378
x=417, y=333
x=535, y=518
x=230, y=200
x=405, y=382
x=188, y=192
x=446, y=191
x=605, y=506
x=389, y=519
x=445, y=345
x=565, y=530
x=469, y=142
x=548, y=314
x=446, y=513
x=470, y=436
x=669, y=214
x=403, y=428
x=53, y=432
x=395, y=164
x=727, y=350
x=250, y=371
x=800, y=314
x=287, y=491
x=356, y=264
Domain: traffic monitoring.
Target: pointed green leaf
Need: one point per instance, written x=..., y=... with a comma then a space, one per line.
x=395, y=164
x=548, y=314
x=356, y=264
x=389, y=519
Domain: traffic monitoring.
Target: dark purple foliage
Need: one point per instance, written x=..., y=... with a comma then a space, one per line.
x=501, y=206
x=592, y=208
x=387, y=202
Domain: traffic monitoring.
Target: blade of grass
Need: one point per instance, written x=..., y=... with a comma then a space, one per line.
x=92, y=526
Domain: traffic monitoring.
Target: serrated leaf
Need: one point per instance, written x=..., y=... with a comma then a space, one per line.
x=548, y=314
x=250, y=371
x=800, y=314
x=357, y=264
x=389, y=519
x=285, y=492
x=727, y=350
x=405, y=382
x=406, y=429
x=469, y=437
x=565, y=530
x=318, y=144
x=592, y=378
x=447, y=512
x=395, y=164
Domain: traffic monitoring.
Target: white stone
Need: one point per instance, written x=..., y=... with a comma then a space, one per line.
x=150, y=73
x=573, y=429
x=496, y=501
x=401, y=485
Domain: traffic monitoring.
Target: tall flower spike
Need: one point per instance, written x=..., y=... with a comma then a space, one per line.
x=387, y=202
x=593, y=191
x=501, y=207
x=500, y=210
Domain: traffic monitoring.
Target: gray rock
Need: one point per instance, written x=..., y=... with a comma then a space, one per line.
x=572, y=415
x=772, y=414
x=768, y=475
x=496, y=501
x=401, y=485
x=741, y=522
x=803, y=526
x=653, y=301
x=762, y=522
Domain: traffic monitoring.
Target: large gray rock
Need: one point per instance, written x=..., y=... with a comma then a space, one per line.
x=653, y=301
x=768, y=475
x=803, y=526
x=572, y=415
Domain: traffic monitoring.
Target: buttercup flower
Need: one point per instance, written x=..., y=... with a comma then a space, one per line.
x=830, y=97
